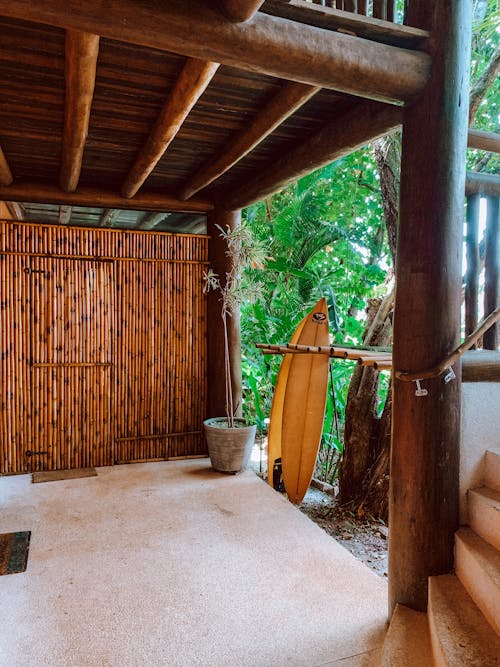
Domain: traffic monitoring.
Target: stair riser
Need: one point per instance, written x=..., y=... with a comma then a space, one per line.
x=484, y=520
x=478, y=584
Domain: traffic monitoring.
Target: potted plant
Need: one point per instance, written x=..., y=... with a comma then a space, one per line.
x=229, y=438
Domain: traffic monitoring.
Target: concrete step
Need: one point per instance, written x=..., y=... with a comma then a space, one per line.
x=460, y=635
x=484, y=514
x=477, y=565
x=407, y=643
x=492, y=470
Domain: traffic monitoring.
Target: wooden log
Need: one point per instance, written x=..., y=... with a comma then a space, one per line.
x=266, y=44
x=484, y=141
x=472, y=255
x=358, y=24
x=6, y=177
x=354, y=128
x=106, y=219
x=492, y=270
x=484, y=184
x=240, y=11
x=93, y=197
x=152, y=220
x=380, y=9
x=17, y=211
x=481, y=366
x=426, y=430
x=220, y=263
x=80, y=69
x=191, y=84
x=65, y=214
x=281, y=106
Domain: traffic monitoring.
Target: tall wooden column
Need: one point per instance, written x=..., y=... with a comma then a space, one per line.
x=221, y=264
x=492, y=270
x=472, y=253
x=426, y=429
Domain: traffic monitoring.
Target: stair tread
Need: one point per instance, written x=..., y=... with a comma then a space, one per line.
x=491, y=496
x=407, y=643
x=465, y=637
x=485, y=554
x=492, y=469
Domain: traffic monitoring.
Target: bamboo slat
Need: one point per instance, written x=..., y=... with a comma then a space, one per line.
x=103, y=347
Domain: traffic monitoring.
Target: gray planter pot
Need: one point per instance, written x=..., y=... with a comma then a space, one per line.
x=229, y=448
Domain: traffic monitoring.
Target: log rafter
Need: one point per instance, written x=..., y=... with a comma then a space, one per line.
x=192, y=82
x=266, y=44
x=94, y=197
x=354, y=128
x=240, y=11
x=485, y=141
x=107, y=217
x=80, y=70
x=152, y=220
x=281, y=106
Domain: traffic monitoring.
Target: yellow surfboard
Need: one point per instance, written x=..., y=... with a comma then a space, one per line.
x=304, y=404
x=276, y=416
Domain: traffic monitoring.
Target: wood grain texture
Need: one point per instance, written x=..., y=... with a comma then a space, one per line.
x=304, y=406
x=281, y=106
x=266, y=44
x=492, y=270
x=191, y=84
x=239, y=11
x=472, y=255
x=82, y=50
x=423, y=514
x=355, y=127
x=481, y=366
x=484, y=141
x=145, y=201
x=103, y=354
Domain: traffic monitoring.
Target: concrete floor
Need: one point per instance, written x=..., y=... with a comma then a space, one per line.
x=173, y=564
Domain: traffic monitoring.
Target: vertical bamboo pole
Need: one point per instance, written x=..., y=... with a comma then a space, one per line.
x=472, y=255
x=426, y=430
x=491, y=270
x=220, y=263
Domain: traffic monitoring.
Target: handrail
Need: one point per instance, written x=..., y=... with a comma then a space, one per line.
x=447, y=362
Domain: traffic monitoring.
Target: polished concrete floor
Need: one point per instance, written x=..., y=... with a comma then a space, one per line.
x=173, y=564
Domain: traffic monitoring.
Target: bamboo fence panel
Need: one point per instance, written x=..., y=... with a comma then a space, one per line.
x=103, y=346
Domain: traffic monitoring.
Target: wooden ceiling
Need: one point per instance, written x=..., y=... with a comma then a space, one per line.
x=88, y=121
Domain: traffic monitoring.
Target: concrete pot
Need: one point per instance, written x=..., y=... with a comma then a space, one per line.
x=229, y=448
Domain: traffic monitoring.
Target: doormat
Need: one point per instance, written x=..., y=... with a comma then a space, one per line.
x=14, y=549
x=56, y=475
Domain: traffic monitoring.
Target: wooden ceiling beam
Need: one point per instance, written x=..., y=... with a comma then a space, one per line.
x=6, y=177
x=80, y=70
x=477, y=183
x=65, y=214
x=16, y=210
x=351, y=130
x=152, y=220
x=281, y=106
x=485, y=141
x=192, y=82
x=107, y=217
x=93, y=197
x=267, y=44
x=240, y=11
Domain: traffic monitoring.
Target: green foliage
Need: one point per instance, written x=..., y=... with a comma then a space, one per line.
x=325, y=237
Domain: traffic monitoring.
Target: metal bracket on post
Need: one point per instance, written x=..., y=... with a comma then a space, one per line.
x=420, y=391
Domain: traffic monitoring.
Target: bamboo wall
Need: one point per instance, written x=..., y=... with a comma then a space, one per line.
x=103, y=346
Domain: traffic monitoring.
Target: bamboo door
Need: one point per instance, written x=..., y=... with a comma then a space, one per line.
x=70, y=324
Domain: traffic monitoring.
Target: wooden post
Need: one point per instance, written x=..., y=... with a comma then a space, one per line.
x=220, y=264
x=472, y=274
x=423, y=498
x=491, y=270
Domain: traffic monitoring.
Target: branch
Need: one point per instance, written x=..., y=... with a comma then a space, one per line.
x=483, y=84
